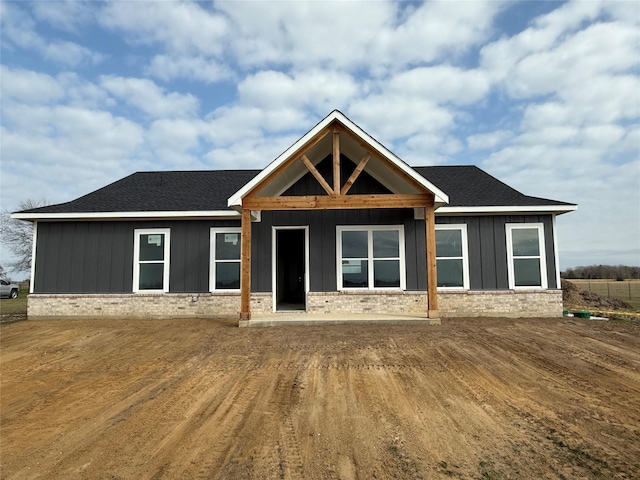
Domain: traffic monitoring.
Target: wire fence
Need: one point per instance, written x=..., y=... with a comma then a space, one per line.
x=622, y=290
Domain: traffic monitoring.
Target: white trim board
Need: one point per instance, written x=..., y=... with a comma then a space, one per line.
x=233, y=215
x=370, y=258
x=542, y=255
x=204, y=214
x=33, y=257
x=514, y=210
x=274, y=229
x=462, y=227
x=213, y=260
x=166, y=261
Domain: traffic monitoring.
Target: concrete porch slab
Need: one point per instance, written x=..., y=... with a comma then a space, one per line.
x=308, y=319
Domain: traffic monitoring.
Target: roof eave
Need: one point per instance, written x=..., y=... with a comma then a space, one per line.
x=152, y=215
x=510, y=209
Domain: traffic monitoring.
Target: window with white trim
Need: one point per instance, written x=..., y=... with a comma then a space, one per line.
x=224, y=269
x=371, y=257
x=151, y=260
x=526, y=255
x=452, y=256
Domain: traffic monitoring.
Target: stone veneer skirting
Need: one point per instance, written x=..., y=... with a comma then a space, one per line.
x=402, y=303
x=128, y=305
x=498, y=303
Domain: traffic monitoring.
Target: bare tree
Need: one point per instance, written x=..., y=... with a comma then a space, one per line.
x=17, y=236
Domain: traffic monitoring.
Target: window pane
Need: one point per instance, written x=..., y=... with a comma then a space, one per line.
x=354, y=245
x=227, y=275
x=448, y=243
x=354, y=274
x=386, y=244
x=527, y=272
x=450, y=273
x=227, y=246
x=152, y=247
x=386, y=273
x=525, y=242
x=151, y=276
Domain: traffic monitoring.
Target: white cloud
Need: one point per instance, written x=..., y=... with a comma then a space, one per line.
x=28, y=86
x=175, y=134
x=435, y=30
x=500, y=57
x=576, y=60
x=201, y=42
x=228, y=125
x=208, y=70
x=68, y=53
x=149, y=98
x=18, y=28
x=318, y=89
x=181, y=27
x=304, y=34
x=255, y=152
x=441, y=84
x=484, y=141
x=383, y=37
x=66, y=15
x=65, y=151
x=391, y=117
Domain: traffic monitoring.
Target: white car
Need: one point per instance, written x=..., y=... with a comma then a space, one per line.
x=9, y=290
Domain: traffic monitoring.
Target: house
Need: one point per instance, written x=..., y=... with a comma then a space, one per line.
x=337, y=223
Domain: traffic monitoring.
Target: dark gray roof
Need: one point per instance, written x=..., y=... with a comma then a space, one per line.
x=160, y=191
x=467, y=186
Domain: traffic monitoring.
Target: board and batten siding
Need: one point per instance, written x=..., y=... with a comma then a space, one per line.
x=97, y=256
x=322, y=242
x=487, y=241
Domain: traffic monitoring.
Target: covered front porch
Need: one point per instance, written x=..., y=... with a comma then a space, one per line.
x=270, y=191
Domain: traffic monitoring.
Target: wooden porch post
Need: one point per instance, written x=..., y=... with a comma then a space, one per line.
x=336, y=161
x=245, y=266
x=432, y=275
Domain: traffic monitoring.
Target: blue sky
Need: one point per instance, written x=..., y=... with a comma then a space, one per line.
x=543, y=95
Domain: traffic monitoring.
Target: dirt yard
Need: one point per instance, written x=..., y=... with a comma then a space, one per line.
x=477, y=398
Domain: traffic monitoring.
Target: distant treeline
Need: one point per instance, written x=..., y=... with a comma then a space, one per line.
x=617, y=272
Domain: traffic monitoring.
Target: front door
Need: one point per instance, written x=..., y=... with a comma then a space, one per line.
x=290, y=269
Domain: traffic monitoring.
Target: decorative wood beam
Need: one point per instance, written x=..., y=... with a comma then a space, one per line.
x=323, y=202
x=395, y=168
x=355, y=174
x=316, y=174
x=432, y=272
x=293, y=158
x=245, y=266
x=336, y=161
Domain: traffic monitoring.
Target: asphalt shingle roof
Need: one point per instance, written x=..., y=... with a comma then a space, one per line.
x=209, y=190
x=469, y=186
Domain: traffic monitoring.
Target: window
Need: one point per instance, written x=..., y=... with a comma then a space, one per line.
x=371, y=257
x=224, y=271
x=151, y=260
x=452, y=256
x=525, y=251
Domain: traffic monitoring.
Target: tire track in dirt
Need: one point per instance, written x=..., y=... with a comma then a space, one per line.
x=473, y=398
x=289, y=394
